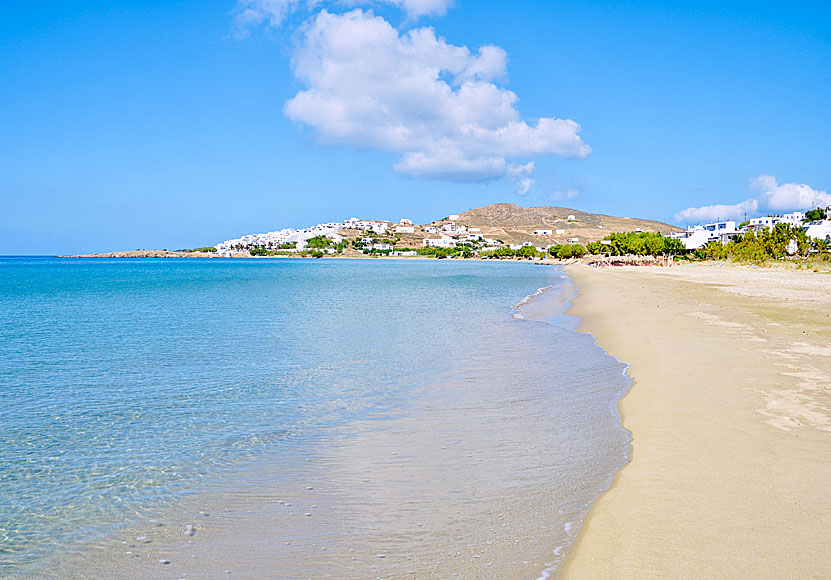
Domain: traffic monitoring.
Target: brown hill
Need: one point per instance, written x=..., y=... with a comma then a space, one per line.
x=514, y=224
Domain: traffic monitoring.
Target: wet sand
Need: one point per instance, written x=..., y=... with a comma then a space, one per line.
x=730, y=415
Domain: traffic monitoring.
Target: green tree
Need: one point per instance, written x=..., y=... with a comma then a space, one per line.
x=320, y=242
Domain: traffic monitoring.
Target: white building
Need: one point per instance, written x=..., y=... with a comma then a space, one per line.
x=796, y=219
x=430, y=230
x=768, y=221
x=405, y=222
x=571, y=218
x=274, y=240
x=696, y=237
x=442, y=242
x=543, y=232
x=820, y=230
x=404, y=229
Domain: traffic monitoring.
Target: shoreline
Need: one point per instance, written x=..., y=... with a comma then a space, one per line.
x=730, y=415
x=399, y=468
x=154, y=254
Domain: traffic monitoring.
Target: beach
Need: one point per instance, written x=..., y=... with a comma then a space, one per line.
x=730, y=415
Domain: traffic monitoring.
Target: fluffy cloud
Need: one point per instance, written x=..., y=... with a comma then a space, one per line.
x=416, y=8
x=438, y=105
x=710, y=213
x=521, y=176
x=262, y=12
x=788, y=196
x=272, y=13
x=567, y=193
x=771, y=197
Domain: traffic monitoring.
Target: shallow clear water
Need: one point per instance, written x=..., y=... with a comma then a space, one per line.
x=126, y=384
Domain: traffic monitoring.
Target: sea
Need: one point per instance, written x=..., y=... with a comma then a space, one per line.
x=297, y=418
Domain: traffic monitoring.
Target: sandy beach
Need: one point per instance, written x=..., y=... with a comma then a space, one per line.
x=730, y=415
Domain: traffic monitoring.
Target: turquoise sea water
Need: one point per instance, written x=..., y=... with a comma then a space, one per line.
x=126, y=383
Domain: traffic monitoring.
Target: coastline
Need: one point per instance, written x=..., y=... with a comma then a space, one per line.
x=509, y=507
x=164, y=254
x=730, y=418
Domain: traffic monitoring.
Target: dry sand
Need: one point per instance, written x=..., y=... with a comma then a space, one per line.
x=730, y=415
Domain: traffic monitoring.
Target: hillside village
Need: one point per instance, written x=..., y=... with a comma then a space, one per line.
x=509, y=231
x=483, y=229
x=813, y=223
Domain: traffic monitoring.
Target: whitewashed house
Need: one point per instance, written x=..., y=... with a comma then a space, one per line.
x=442, y=242
x=405, y=222
x=404, y=229
x=430, y=230
x=768, y=222
x=543, y=232
x=819, y=230
x=795, y=219
x=696, y=237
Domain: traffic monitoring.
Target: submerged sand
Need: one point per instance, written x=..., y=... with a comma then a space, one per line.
x=481, y=475
x=730, y=415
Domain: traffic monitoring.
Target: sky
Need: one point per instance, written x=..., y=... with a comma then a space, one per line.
x=178, y=124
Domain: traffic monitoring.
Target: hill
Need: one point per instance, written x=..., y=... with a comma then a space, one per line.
x=514, y=224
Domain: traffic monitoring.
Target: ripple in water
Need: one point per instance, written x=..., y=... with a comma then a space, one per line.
x=145, y=389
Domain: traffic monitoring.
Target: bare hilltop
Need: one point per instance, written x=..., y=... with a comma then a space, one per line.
x=514, y=224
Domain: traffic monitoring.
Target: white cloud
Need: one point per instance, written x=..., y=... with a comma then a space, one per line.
x=521, y=176
x=416, y=8
x=788, y=196
x=567, y=193
x=771, y=197
x=272, y=13
x=434, y=103
x=710, y=213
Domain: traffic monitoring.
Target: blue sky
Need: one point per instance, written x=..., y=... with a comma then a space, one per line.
x=129, y=125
